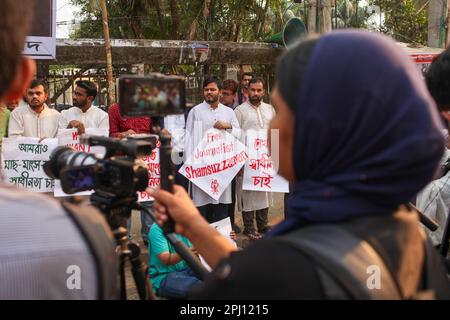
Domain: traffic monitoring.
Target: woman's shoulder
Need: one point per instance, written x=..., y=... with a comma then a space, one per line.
x=267, y=269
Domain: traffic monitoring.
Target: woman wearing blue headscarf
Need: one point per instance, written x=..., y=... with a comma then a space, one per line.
x=359, y=137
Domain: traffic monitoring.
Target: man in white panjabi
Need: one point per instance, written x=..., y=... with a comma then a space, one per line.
x=84, y=115
x=256, y=115
x=203, y=117
x=34, y=119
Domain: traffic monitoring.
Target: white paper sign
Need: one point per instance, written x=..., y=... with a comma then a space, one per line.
x=259, y=171
x=23, y=159
x=215, y=162
x=70, y=138
x=154, y=173
x=224, y=228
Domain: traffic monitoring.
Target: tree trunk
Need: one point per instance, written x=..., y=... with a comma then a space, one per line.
x=434, y=23
x=263, y=21
x=175, y=18
x=312, y=16
x=326, y=16
x=160, y=18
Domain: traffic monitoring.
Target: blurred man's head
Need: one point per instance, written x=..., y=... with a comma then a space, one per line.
x=256, y=91
x=15, y=70
x=245, y=79
x=228, y=91
x=438, y=82
x=12, y=104
x=37, y=95
x=84, y=94
x=211, y=90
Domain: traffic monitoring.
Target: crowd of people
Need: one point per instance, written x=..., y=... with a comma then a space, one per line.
x=359, y=134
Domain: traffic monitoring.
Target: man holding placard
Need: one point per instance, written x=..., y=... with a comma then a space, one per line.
x=254, y=115
x=206, y=116
x=84, y=114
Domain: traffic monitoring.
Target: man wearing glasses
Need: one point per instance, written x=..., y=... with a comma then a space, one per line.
x=228, y=93
x=84, y=115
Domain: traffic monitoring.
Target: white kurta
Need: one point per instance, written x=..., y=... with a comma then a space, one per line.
x=252, y=118
x=94, y=117
x=200, y=119
x=23, y=121
x=434, y=202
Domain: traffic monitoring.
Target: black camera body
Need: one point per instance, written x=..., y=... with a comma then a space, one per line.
x=118, y=175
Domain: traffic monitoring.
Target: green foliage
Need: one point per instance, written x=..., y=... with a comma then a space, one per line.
x=232, y=20
x=403, y=21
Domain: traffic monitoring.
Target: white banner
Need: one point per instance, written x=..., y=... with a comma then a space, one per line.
x=215, y=162
x=41, y=42
x=259, y=171
x=154, y=173
x=70, y=138
x=23, y=159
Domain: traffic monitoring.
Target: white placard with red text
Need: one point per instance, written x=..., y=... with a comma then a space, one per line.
x=154, y=173
x=259, y=171
x=215, y=162
x=23, y=160
x=71, y=138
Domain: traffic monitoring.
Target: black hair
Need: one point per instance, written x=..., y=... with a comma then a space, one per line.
x=438, y=80
x=38, y=82
x=212, y=79
x=247, y=74
x=257, y=80
x=89, y=86
x=291, y=69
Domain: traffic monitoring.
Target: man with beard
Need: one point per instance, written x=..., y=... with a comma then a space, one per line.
x=203, y=117
x=254, y=115
x=84, y=115
x=35, y=119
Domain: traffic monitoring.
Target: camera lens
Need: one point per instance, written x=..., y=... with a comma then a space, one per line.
x=66, y=156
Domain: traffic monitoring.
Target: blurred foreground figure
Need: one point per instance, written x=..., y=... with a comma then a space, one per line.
x=43, y=252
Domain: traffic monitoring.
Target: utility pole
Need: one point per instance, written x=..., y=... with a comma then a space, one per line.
x=447, y=24
x=111, y=97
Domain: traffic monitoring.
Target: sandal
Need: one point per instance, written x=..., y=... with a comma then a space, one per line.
x=254, y=236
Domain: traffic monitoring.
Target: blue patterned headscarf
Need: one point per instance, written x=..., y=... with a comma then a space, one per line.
x=367, y=137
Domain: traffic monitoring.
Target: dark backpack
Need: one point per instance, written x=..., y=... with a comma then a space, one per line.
x=343, y=260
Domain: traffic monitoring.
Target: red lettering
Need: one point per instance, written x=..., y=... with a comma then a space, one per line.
x=211, y=137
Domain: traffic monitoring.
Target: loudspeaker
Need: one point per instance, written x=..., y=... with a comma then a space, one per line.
x=293, y=31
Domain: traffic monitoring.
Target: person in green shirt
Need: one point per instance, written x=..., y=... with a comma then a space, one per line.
x=4, y=120
x=170, y=276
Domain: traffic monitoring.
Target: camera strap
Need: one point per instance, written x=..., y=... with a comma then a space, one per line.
x=100, y=241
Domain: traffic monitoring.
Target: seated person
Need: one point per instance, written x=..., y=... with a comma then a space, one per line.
x=170, y=275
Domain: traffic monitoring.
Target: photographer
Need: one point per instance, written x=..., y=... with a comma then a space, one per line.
x=350, y=107
x=43, y=253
